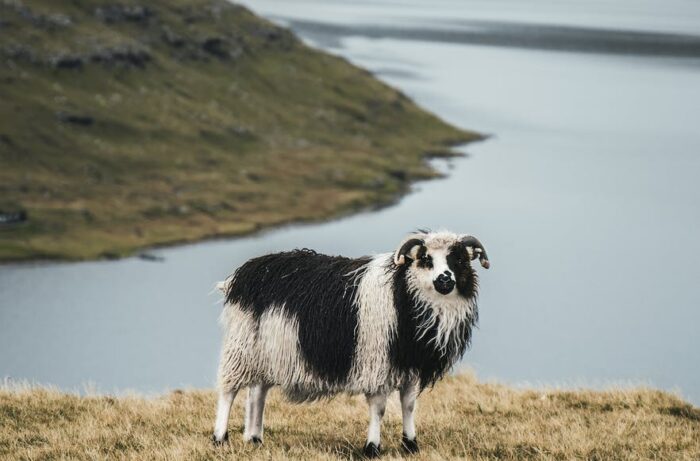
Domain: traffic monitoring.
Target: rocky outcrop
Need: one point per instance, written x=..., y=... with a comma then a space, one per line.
x=112, y=14
x=120, y=56
x=39, y=20
x=138, y=34
x=124, y=56
x=12, y=217
x=66, y=61
x=75, y=119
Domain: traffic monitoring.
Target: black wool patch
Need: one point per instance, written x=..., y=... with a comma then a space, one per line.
x=319, y=291
x=466, y=278
x=424, y=260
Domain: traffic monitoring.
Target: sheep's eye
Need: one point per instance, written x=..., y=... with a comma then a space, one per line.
x=425, y=261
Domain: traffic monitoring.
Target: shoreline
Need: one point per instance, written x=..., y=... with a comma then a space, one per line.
x=445, y=153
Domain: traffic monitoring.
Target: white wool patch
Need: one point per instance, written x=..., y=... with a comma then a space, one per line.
x=268, y=354
x=279, y=351
x=376, y=326
x=447, y=312
x=237, y=366
x=408, y=396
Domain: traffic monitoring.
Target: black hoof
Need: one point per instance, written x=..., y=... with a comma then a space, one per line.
x=409, y=446
x=372, y=451
x=256, y=441
x=223, y=440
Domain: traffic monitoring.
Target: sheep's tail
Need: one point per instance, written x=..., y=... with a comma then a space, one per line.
x=223, y=285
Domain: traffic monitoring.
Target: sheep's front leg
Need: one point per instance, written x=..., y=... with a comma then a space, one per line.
x=409, y=394
x=223, y=409
x=255, y=407
x=377, y=406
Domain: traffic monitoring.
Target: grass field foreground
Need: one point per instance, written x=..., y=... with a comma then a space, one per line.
x=460, y=418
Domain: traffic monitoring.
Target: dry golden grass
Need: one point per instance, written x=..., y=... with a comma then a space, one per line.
x=461, y=418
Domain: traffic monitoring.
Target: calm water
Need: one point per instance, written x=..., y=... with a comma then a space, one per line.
x=587, y=199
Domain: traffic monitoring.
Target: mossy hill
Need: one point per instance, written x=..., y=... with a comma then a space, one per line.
x=126, y=125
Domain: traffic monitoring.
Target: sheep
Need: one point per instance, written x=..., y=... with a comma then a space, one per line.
x=318, y=325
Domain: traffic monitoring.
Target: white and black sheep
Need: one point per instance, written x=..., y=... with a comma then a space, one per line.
x=317, y=325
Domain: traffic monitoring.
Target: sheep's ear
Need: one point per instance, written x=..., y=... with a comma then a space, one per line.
x=408, y=249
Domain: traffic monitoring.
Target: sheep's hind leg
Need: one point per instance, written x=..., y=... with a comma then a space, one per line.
x=377, y=406
x=223, y=409
x=255, y=407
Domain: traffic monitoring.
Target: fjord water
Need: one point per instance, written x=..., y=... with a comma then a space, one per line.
x=586, y=197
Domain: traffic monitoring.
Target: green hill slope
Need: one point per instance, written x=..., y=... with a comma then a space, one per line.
x=125, y=125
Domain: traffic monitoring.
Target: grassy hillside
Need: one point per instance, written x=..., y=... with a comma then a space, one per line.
x=459, y=418
x=126, y=124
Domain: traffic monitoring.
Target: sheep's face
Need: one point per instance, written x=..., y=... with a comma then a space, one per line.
x=439, y=264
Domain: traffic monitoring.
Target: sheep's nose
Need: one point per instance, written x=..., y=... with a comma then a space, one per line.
x=444, y=284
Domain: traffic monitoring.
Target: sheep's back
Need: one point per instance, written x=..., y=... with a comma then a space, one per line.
x=316, y=293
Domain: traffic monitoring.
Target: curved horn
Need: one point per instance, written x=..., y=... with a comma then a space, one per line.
x=476, y=249
x=400, y=255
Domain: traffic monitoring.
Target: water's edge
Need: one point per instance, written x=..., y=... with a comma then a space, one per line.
x=343, y=212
